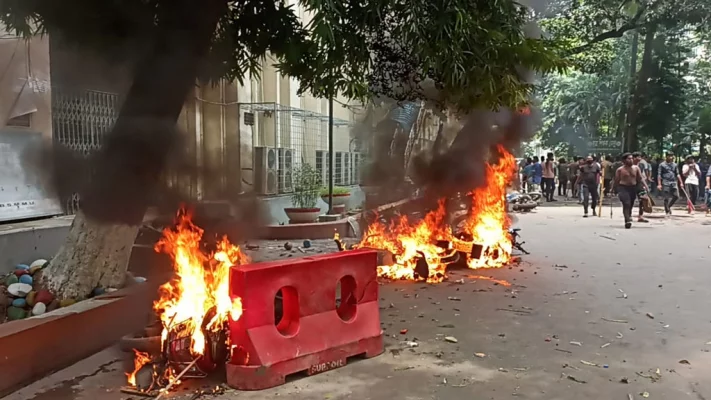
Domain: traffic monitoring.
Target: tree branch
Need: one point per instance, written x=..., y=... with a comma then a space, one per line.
x=632, y=24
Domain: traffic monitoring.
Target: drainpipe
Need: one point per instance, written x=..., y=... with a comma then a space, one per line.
x=330, y=154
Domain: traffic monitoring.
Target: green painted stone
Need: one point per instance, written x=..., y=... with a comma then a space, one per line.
x=30, y=298
x=14, y=313
x=12, y=278
x=66, y=302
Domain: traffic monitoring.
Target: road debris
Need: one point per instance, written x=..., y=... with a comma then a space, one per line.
x=559, y=266
x=288, y=246
x=619, y=321
x=685, y=362
x=624, y=380
x=645, y=394
x=590, y=364
x=620, y=335
x=514, y=310
x=446, y=326
x=576, y=380
x=404, y=368
x=503, y=370
x=607, y=237
x=403, y=331
x=564, y=351
x=452, y=298
x=624, y=295
x=252, y=246
x=605, y=345
x=629, y=397
x=576, y=343
x=451, y=339
x=650, y=377
x=650, y=315
x=480, y=355
x=412, y=344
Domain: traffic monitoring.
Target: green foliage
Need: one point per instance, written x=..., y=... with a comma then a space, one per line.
x=454, y=53
x=336, y=190
x=307, y=182
x=705, y=121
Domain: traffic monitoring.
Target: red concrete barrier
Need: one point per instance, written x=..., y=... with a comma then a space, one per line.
x=314, y=334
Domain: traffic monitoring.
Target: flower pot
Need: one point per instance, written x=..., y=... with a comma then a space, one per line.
x=338, y=199
x=302, y=215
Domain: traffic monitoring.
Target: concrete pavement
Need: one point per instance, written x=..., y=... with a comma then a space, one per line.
x=534, y=339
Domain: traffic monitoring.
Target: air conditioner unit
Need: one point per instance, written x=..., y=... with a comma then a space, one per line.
x=285, y=170
x=266, y=165
x=322, y=166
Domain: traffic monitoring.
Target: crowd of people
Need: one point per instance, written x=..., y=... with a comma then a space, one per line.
x=632, y=176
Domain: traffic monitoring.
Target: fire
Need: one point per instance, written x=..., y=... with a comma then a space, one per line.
x=139, y=361
x=433, y=242
x=201, y=283
x=197, y=300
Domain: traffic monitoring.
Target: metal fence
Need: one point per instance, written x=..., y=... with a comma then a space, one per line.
x=285, y=138
x=80, y=120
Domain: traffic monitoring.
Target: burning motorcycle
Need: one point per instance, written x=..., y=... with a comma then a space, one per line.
x=524, y=202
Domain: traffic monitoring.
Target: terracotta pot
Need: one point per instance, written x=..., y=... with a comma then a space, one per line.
x=338, y=199
x=302, y=215
x=150, y=345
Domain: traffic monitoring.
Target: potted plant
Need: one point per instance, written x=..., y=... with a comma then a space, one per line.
x=340, y=195
x=307, y=182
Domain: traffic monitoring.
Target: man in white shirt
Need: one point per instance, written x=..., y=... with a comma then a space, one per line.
x=691, y=173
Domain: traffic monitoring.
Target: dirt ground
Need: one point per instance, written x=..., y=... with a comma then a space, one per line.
x=594, y=312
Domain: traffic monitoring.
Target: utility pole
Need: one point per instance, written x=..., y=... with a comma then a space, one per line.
x=330, y=154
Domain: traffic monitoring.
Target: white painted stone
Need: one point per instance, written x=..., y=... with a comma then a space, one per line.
x=19, y=289
x=39, y=309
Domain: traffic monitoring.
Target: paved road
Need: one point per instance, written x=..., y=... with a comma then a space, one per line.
x=563, y=315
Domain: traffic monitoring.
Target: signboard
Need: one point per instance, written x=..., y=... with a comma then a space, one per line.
x=21, y=194
x=605, y=145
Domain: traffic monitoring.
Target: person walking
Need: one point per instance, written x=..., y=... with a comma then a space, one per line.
x=573, y=170
x=609, y=174
x=537, y=175
x=563, y=178
x=707, y=198
x=527, y=174
x=549, y=177
x=589, y=179
x=579, y=185
x=691, y=173
x=628, y=179
x=667, y=180
x=643, y=189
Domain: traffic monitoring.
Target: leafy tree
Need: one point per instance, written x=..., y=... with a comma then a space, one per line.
x=457, y=54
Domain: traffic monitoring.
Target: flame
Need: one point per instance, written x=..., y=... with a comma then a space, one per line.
x=433, y=240
x=200, y=285
x=139, y=361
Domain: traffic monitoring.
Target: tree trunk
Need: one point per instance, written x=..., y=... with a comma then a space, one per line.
x=128, y=168
x=93, y=255
x=644, y=72
x=629, y=87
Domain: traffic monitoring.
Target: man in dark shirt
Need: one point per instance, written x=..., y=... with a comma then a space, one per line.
x=589, y=178
x=668, y=179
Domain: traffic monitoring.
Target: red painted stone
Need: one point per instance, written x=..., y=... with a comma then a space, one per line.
x=44, y=296
x=20, y=272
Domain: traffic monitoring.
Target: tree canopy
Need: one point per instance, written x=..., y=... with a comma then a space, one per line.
x=456, y=53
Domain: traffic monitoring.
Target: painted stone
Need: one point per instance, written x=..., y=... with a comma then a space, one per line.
x=44, y=296
x=22, y=266
x=12, y=278
x=39, y=309
x=38, y=263
x=98, y=291
x=140, y=279
x=31, y=298
x=19, y=289
x=66, y=302
x=19, y=303
x=307, y=243
x=34, y=269
x=19, y=272
x=53, y=305
x=14, y=313
x=26, y=279
x=288, y=246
